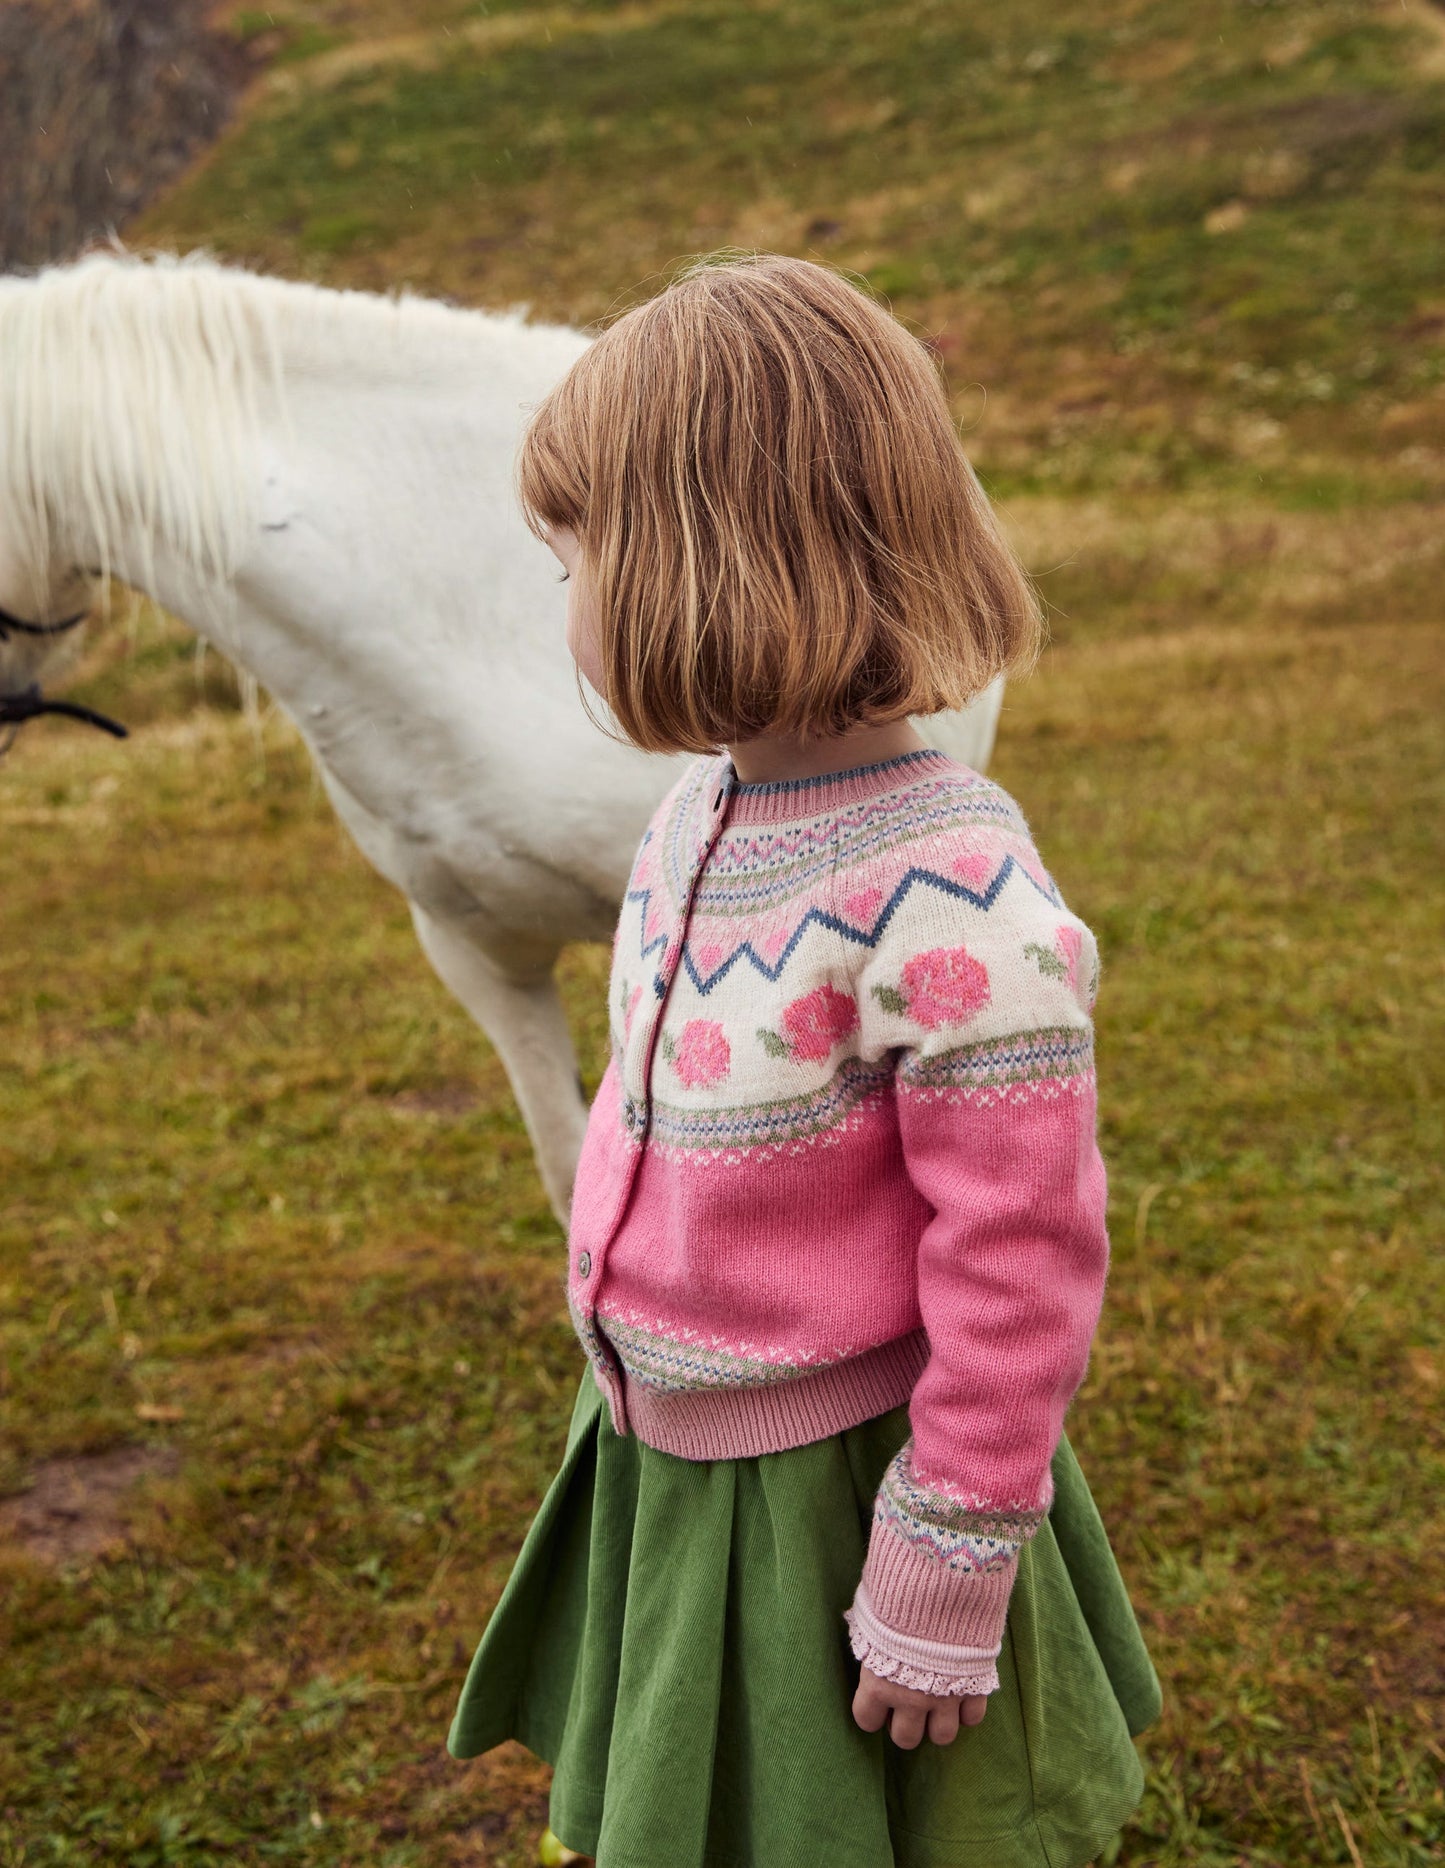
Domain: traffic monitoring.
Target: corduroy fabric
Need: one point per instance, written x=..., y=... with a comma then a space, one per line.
x=671, y=1640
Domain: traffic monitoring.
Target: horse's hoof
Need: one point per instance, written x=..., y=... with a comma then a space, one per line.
x=554, y=1854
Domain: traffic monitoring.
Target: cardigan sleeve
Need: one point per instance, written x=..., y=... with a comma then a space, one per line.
x=983, y=995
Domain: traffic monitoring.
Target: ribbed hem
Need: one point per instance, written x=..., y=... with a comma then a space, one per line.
x=737, y=1423
x=940, y=1667
x=912, y=1590
x=779, y=800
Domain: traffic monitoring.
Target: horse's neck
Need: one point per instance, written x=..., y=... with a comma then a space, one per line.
x=355, y=488
x=354, y=544
x=379, y=483
x=392, y=599
x=149, y=427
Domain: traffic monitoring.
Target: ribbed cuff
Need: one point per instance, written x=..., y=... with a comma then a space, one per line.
x=939, y=1667
x=913, y=1590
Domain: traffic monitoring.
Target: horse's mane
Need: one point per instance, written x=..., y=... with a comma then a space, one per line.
x=132, y=387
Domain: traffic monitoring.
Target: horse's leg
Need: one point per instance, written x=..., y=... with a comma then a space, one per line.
x=517, y=1006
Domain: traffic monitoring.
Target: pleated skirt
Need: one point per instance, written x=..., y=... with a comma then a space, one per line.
x=671, y=1640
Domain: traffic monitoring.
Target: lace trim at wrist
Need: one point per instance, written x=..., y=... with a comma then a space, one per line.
x=927, y=1666
x=983, y=1678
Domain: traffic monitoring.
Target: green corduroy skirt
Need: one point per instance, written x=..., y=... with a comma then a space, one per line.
x=671, y=1640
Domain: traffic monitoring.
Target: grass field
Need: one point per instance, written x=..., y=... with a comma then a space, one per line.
x=283, y=1334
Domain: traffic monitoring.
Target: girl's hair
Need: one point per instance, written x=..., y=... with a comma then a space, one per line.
x=780, y=530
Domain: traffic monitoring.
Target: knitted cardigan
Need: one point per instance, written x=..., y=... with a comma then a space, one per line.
x=843, y=1157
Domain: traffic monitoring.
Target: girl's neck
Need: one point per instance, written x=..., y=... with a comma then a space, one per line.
x=774, y=757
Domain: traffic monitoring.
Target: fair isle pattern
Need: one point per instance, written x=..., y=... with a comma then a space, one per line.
x=1050, y=1063
x=651, y=932
x=957, y=1535
x=666, y=860
x=788, y=1122
x=1047, y=1089
x=708, y=961
x=587, y=1332
x=679, y=1361
x=918, y=811
x=772, y=884
x=1057, y=1055
x=679, y=851
x=755, y=866
x=728, y=923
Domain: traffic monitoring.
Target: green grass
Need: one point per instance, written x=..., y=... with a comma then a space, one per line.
x=265, y=1203
x=1175, y=244
x=219, y=1206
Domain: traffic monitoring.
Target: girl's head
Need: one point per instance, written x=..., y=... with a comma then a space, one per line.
x=776, y=527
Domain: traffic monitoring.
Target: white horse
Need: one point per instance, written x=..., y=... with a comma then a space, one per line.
x=319, y=482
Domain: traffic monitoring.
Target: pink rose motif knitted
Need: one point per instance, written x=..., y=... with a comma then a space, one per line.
x=700, y=1054
x=944, y=987
x=813, y=1025
x=1070, y=947
x=843, y=1157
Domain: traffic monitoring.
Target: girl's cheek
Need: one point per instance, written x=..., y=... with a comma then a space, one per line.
x=577, y=639
x=581, y=642
x=572, y=643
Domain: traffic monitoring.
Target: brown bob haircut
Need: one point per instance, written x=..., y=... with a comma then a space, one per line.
x=780, y=530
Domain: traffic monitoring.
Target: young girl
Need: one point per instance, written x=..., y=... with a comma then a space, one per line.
x=837, y=1246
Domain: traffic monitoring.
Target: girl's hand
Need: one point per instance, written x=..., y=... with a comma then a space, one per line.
x=913, y=1712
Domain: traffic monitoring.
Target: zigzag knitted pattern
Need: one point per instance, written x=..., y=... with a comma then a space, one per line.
x=843, y=1156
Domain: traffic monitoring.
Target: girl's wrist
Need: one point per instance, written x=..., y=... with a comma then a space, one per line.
x=943, y=1668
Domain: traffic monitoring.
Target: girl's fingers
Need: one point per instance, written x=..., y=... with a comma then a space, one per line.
x=909, y=1715
x=870, y=1709
x=906, y=1730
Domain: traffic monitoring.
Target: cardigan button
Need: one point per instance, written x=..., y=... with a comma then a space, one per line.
x=584, y=1265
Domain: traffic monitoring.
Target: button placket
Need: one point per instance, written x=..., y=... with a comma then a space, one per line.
x=636, y=1111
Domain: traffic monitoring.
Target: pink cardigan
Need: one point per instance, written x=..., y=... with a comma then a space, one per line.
x=843, y=1157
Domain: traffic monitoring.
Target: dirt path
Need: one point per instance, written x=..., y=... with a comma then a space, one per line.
x=76, y=1508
